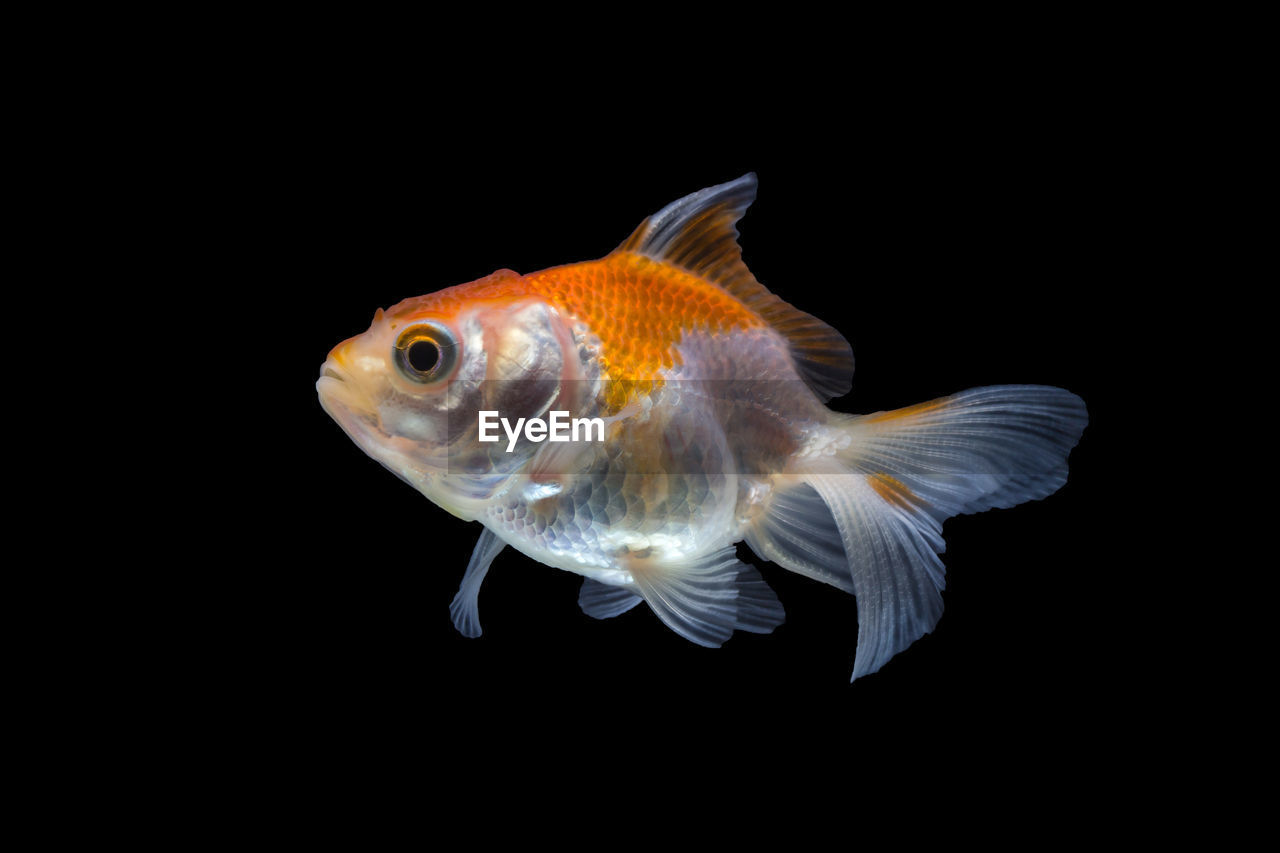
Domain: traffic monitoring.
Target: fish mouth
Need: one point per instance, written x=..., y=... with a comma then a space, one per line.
x=344, y=401
x=351, y=408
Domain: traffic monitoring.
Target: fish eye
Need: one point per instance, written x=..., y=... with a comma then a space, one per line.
x=425, y=353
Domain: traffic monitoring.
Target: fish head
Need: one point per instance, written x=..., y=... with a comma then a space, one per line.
x=410, y=389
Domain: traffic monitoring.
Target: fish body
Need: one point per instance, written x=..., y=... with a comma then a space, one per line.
x=712, y=396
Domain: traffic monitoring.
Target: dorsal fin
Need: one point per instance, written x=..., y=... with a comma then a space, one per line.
x=699, y=233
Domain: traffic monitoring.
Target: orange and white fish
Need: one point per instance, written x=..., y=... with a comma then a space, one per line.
x=702, y=396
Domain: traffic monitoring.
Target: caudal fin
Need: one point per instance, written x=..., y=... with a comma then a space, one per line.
x=869, y=519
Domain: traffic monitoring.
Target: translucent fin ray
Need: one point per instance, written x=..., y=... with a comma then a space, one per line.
x=984, y=448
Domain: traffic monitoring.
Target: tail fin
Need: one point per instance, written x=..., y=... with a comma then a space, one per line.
x=869, y=519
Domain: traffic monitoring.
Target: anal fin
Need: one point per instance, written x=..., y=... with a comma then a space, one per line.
x=799, y=533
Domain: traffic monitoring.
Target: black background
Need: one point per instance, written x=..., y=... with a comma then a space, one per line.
x=955, y=242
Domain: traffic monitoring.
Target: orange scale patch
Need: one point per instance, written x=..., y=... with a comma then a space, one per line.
x=639, y=309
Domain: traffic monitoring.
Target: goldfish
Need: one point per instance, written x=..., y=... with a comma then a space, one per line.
x=703, y=401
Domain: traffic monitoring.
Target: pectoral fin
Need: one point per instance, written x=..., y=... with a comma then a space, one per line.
x=465, y=608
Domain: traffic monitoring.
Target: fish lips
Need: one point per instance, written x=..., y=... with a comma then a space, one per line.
x=347, y=405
